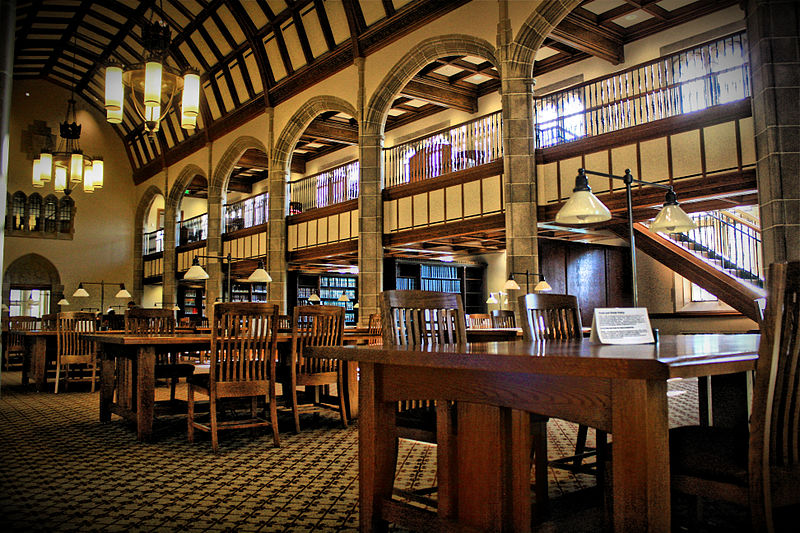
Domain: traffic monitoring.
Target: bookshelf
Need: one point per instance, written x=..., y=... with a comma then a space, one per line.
x=192, y=301
x=466, y=280
x=329, y=287
x=248, y=292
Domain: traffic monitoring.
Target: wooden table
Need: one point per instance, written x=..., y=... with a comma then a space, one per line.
x=39, y=347
x=493, y=334
x=116, y=348
x=484, y=470
x=143, y=349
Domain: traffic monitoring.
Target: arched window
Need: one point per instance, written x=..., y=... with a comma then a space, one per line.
x=35, y=212
x=65, y=208
x=18, y=210
x=50, y=210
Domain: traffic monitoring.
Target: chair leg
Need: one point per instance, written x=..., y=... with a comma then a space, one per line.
x=212, y=404
x=58, y=374
x=295, y=407
x=580, y=444
x=94, y=375
x=273, y=419
x=190, y=412
x=172, y=386
x=340, y=392
x=539, y=452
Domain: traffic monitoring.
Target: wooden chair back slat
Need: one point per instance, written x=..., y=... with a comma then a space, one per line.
x=503, y=318
x=413, y=318
x=49, y=321
x=16, y=340
x=550, y=317
x=422, y=317
x=70, y=326
x=479, y=320
x=139, y=321
x=243, y=342
x=316, y=325
x=775, y=421
x=375, y=329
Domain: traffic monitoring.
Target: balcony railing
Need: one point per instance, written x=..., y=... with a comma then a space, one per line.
x=192, y=229
x=153, y=242
x=331, y=187
x=707, y=75
x=247, y=213
x=464, y=146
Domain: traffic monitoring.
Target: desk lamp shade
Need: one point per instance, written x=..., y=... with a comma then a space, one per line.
x=542, y=286
x=260, y=275
x=196, y=272
x=583, y=207
x=80, y=292
x=671, y=218
x=123, y=292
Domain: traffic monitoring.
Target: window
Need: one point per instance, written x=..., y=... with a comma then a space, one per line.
x=18, y=211
x=29, y=302
x=35, y=212
x=50, y=209
x=560, y=120
x=65, y=214
x=699, y=294
x=712, y=75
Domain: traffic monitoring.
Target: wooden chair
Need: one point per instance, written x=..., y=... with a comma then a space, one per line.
x=375, y=329
x=140, y=321
x=49, y=321
x=557, y=317
x=759, y=468
x=72, y=349
x=503, y=318
x=243, y=353
x=314, y=325
x=423, y=317
x=16, y=341
x=479, y=321
x=284, y=322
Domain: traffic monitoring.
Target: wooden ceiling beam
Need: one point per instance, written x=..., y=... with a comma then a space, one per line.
x=586, y=36
x=440, y=93
x=329, y=130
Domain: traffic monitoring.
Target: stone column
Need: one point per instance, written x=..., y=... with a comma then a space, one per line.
x=168, y=293
x=216, y=279
x=774, y=40
x=8, y=17
x=370, y=210
x=519, y=166
x=276, y=226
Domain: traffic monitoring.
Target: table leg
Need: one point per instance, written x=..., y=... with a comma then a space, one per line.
x=106, y=382
x=493, y=473
x=725, y=399
x=351, y=388
x=145, y=397
x=27, y=359
x=39, y=363
x=641, y=456
x=377, y=438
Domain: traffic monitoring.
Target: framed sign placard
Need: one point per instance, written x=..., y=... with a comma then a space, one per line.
x=621, y=325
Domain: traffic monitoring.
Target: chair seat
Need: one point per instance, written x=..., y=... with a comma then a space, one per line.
x=179, y=370
x=199, y=380
x=709, y=452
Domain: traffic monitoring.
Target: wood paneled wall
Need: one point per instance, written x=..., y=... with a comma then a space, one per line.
x=598, y=275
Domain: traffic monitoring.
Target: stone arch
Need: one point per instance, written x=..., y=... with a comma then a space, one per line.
x=416, y=58
x=184, y=178
x=33, y=270
x=222, y=174
x=296, y=125
x=538, y=25
x=138, y=234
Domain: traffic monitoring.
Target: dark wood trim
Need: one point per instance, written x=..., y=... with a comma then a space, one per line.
x=323, y=212
x=321, y=252
x=697, y=314
x=153, y=256
x=448, y=229
x=190, y=246
x=244, y=232
x=493, y=168
x=153, y=280
x=711, y=187
x=643, y=132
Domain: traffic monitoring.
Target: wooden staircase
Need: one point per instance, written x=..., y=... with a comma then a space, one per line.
x=728, y=288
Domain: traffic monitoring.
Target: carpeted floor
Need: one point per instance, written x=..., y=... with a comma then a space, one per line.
x=62, y=470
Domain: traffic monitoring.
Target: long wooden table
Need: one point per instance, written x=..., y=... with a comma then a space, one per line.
x=484, y=470
x=142, y=349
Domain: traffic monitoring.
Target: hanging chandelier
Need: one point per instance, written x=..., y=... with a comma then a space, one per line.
x=67, y=166
x=154, y=84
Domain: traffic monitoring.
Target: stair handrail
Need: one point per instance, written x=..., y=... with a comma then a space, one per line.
x=740, y=220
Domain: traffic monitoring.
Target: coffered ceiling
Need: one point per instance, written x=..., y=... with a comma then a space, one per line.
x=256, y=53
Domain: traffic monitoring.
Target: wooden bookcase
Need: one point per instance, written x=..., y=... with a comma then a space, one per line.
x=329, y=287
x=464, y=279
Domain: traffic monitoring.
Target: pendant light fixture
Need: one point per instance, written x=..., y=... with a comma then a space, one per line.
x=68, y=164
x=153, y=83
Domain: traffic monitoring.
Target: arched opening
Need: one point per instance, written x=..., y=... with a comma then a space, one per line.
x=32, y=286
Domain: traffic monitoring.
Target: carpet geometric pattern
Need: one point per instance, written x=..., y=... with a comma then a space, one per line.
x=62, y=470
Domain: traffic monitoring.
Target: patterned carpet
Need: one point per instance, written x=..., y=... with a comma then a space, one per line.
x=61, y=470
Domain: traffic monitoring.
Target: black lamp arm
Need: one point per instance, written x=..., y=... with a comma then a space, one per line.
x=627, y=178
